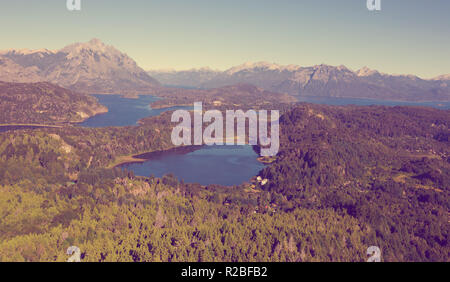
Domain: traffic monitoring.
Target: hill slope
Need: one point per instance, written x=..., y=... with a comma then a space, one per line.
x=44, y=102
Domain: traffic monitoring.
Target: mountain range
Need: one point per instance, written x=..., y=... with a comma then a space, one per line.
x=92, y=67
x=320, y=81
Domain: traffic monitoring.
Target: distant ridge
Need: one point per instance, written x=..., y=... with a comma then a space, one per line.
x=319, y=80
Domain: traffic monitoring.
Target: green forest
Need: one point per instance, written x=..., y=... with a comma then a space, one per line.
x=345, y=178
x=44, y=103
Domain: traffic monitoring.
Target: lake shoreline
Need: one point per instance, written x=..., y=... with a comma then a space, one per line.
x=8, y=127
x=17, y=126
x=143, y=157
x=30, y=124
x=206, y=165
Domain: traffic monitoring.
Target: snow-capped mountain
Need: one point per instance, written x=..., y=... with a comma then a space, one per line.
x=92, y=67
x=320, y=80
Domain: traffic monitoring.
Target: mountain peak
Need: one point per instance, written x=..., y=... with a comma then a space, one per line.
x=96, y=41
x=89, y=66
x=257, y=65
x=365, y=71
x=26, y=51
x=94, y=44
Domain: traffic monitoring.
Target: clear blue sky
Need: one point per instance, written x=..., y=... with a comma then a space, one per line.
x=406, y=36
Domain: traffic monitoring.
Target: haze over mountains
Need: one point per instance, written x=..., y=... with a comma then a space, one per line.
x=89, y=67
x=95, y=67
x=319, y=80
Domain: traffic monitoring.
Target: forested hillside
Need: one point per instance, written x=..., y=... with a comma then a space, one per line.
x=345, y=178
x=44, y=103
x=386, y=167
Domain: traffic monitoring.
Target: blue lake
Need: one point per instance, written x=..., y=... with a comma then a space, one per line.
x=231, y=165
x=225, y=165
x=124, y=111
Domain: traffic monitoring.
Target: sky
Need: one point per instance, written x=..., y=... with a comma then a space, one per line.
x=404, y=37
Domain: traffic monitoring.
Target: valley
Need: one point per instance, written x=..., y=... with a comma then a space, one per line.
x=344, y=165
x=363, y=160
